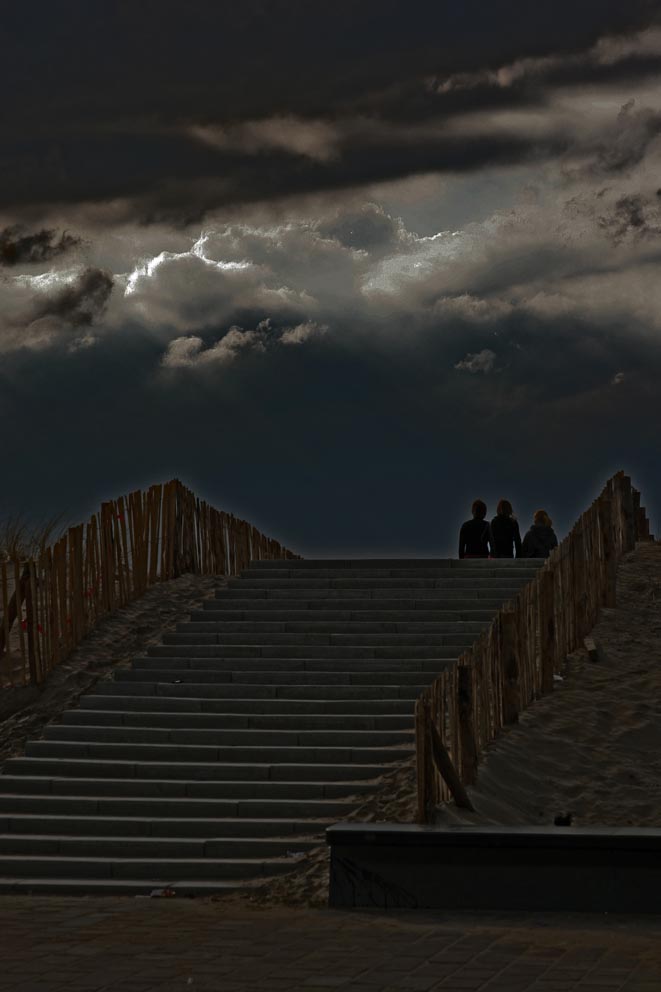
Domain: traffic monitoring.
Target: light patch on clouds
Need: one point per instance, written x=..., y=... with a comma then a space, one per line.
x=184, y=291
x=414, y=264
x=303, y=332
x=480, y=361
x=472, y=309
x=313, y=139
x=189, y=352
x=617, y=379
x=606, y=51
x=146, y=269
x=46, y=282
x=38, y=311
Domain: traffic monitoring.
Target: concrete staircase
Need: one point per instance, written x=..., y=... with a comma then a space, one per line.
x=222, y=755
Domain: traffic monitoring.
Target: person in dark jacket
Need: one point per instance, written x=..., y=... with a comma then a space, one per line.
x=475, y=540
x=540, y=540
x=505, y=531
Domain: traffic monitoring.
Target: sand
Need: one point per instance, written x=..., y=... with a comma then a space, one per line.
x=112, y=644
x=592, y=749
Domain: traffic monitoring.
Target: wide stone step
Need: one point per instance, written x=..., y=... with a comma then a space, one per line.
x=40, y=778
x=210, y=753
x=252, y=666
x=376, y=615
x=456, y=634
x=364, y=705
x=452, y=582
x=157, y=870
x=264, y=628
x=311, y=574
x=32, y=886
x=240, y=690
x=437, y=648
x=305, y=564
x=28, y=825
x=195, y=777
x=378, y=676
x=257, y=848
x=239, y=721
x=234, y=737
x=163, y=807
x=364, y=599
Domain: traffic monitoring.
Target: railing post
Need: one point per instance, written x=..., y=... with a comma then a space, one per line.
x=467, y=742
x=546, y=630
x=31, y=628
x=608, y=553
x=422, y=758
x=628, y=510
x=510, y=662
x=13, y=607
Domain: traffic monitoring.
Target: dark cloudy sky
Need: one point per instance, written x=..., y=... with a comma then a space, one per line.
x=341, y=268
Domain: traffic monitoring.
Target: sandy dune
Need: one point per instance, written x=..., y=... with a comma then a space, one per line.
x=593, y=748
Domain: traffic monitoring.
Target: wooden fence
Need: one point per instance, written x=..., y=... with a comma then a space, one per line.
x=514, y=660
x=130, y=544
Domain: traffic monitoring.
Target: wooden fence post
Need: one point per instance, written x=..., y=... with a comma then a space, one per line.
x=4, y=633
x=546, y=630
x=445, y=767
x=607, y=551
x=13, y=607
x=467, y=742
x=30, y=626
x=422, y=758
x=510, y=661
x=627, y=507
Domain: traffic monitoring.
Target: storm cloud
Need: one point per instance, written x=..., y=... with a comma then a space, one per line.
x=237, y=105
x=19, y=247
x=80, y=303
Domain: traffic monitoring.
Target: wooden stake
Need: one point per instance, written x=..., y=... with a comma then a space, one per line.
x=446, y=769
x=546, y=630
x=30, y=606
x=511, y=687
x=468, y=747
x=4, y=643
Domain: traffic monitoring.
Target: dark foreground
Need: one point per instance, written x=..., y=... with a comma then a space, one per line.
x=135, y=945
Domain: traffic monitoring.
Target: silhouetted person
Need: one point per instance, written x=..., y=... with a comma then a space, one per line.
x=540, y=540
x=505, y=532
x=475, y=535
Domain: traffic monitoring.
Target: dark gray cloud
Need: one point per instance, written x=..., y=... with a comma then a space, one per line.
x=78, y=304
x=160, y=73
x=19, y=247
x=633, y=216
x=627, y=141
x=367, y=229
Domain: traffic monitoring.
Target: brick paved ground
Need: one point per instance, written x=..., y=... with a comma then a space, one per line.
x=136, y=945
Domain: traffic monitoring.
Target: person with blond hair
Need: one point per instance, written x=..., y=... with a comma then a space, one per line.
x=475, y=540
x=540, y=540
x=505, y=531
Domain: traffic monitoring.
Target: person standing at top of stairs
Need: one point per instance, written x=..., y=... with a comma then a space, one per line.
x=540, y=539
x=505, y=532
x=475, y=538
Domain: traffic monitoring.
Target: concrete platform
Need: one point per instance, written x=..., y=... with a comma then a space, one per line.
x=404, y=866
